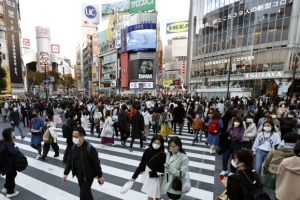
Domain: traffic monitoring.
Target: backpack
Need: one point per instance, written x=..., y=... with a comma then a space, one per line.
x=251, y=192
x=131, y=113
x=20, y=162
x=66, y=130
x=214, y=127
x=3, y=159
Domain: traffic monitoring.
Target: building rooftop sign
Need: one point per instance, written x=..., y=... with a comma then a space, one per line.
x=264, y=75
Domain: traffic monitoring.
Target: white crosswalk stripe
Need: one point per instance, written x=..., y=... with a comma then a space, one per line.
x=118, y=165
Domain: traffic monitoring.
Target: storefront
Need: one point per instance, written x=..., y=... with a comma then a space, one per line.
x=253, y=40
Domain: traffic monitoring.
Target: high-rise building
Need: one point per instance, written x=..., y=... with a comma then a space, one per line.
x=255, y=41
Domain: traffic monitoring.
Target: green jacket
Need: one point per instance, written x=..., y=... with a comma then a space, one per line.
x=179, y=162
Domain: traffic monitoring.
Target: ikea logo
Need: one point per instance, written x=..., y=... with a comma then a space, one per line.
x=177, y=27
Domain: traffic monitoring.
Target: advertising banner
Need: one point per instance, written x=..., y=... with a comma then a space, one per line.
x=26, y=42
x=141, y=5
x=161, y=60
x=141, y=37
x=142, y=70
x=167, y=83
x=120, y=8
x=177, y=27
x=44, y=59
x=111, y=28
x=94, y=74
x=13, y=42
x=146, y=85
x=95, y=43
x=124, y=70
x=123, y=40
x=7, y=79
x=55, y=48
x=183, y=66
x=90, y=16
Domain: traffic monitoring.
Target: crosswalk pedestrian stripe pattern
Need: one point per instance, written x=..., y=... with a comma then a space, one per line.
x=118, y=166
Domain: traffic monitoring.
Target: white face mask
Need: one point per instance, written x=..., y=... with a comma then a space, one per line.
x=273, y=116
x=267, y=129
x=283, y=106
x=290, y=116
x=236, y=124
x=75, y=140
x=250, y=120
x=233, y=163
x=15, y=109
x=198, y=117
x=166, y=110
x=75, y=117
x=155, y=146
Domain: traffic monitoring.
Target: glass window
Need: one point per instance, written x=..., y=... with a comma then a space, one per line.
x=271, y=31
x=241, y=17
x=219, y=42
x=233, y=39
x=288, y=9
x=3, y=35
x=224, y=41
x=240, y=37
x=247, y=13
x=3, y=56
x=260, y=14
x=278, y=30
x=229, y=19
x=257, y=33
x=285, y=29
x=220, y=24
x=274, y=9
x=264, y=32
x=235, y=17
x=250, y=35
x=215, y=43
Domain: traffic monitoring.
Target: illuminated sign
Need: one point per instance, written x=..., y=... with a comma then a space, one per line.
x=227, y=60
x=263, y=75
x=261, y=7
x=146, y=85
x=177, y=27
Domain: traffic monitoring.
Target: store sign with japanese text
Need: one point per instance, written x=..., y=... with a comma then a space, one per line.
x=183, y=66
x=261, y=7
x=26, y=42
x=95, y=43
x=141, y=5
x=13, y=41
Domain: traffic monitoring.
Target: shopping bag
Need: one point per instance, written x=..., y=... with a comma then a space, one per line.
x=269, y=180
x=186, y=183
x=126, y=187
x=223, y=196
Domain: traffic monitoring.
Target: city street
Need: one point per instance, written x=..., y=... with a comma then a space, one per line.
x=42, y=179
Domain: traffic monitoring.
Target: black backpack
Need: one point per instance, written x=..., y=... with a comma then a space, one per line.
x=251, y=192
x=3, y=159
x=66, y=130
x=20, y=162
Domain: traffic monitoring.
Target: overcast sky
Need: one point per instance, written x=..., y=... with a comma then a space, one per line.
x=63, y=19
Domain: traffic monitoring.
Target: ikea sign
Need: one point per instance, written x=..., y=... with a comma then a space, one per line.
x=177, y=27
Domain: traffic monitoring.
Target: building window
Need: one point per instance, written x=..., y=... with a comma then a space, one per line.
x=2, y=35
x=3, y=57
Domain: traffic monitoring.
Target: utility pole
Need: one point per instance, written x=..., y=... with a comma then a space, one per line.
x=190, y=47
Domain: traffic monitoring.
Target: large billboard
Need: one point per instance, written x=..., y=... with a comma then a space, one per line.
x=43, y=48
x=141, y=5
x=120, y=8
x=141, y=37
x=124, y=70
x=90, y=15
x=142, y=70
x=13, y=41
x=177, y=27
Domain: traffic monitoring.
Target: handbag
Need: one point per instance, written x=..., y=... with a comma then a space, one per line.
x=177, y=183
x=107, y=129
x=20, y=162
x=269, y=180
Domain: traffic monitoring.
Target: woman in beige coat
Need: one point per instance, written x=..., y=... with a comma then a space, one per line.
x=176, y=163
x=288, y=177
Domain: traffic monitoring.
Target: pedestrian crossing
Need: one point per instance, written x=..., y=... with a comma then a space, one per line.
x=42, y=179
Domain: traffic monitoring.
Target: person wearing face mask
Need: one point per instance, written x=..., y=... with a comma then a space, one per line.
x=198, y=125
x=177, y=163
x=215, y=124
x=152, y=164
x=268, y=118
x=165, y=123
x=275, y=120
x=281, y=110
x=243, y=161
x=50, y=125
x=250, y=132
x=236, y=131
x=261, y=120
x=272, y=108
x=264, y=142
x=84, y=162
x=37, y=132
x=289, y=123
x=72, y=125
x=8, y=168
x=14, y=118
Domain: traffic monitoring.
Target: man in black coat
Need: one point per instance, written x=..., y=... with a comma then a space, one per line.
x=83, y=161
x=24, y=113
x=137, y=128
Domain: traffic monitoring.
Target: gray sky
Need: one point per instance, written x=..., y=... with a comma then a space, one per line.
x=63, y=19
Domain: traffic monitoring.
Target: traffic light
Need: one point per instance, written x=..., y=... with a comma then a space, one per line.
x=280, y=85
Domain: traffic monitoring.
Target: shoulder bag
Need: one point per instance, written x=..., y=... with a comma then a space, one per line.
x=270, y=179
x=177, y=183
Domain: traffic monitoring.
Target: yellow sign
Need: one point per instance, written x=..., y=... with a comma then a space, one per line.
x=112, y=22
x=167, y=83
x=8, y=88
x=177, y=27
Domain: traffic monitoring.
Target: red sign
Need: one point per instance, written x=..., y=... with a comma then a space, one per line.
x=55, y=48
x=183, y=68
x=176, y=82
x=26, y=42
x=124, y=70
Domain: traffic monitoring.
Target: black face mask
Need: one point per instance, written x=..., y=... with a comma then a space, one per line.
x=46, y=120
x=34, y=115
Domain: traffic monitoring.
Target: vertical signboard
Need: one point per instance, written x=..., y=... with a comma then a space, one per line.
x=138, y=5
x=124, y=70
x=13, y=41
x=100, y=70
x=95, y=43
x=55, y=48
x=94, y=74
x=90, y=16
x=123, y=40
x=26, y=42
x=43, y=44
x=183, y=65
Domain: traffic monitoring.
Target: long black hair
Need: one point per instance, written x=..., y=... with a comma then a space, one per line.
x=6, y=134
x=161, y=140
x=178, y=142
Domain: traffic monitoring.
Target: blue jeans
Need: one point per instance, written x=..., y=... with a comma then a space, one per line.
x=259, y=159
x=225, y=156
x=20, y=130
x=196, y=133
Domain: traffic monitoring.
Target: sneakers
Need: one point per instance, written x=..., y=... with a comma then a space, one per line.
x=123, y=143
x=22, y=137
x=42, y=158
x=130, y=150
x=4, y=190
x=113, y=145
x=12, y=195
x=193, y=144
x=230, y=174
x=38, y=156
x=224, y=172
x=56, y=155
